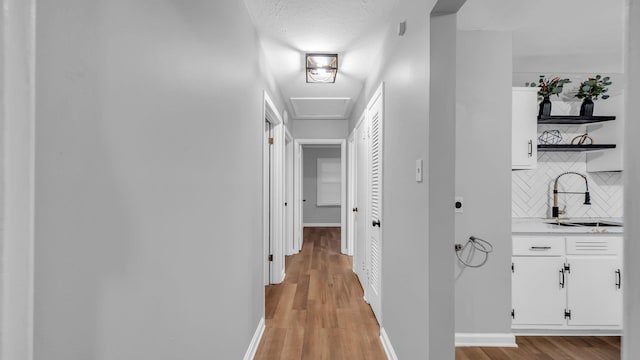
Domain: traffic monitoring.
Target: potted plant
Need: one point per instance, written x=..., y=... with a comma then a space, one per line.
x=589, y=90
x=548, y=87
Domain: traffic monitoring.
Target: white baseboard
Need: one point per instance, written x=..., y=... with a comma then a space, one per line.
x=386, y=344
x=321, y=225
x=280, y=278
x=253, y=347
x=486, y=340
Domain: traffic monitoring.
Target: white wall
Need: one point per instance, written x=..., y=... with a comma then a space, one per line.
x=404, y=68
x=148, y=177
x=312, y=213
x=16, y=118
x=441, y=171
x=630, y=344
x=483, y=178
x=320, y=129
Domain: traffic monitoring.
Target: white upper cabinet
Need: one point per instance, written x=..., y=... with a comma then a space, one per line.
x=524, y=133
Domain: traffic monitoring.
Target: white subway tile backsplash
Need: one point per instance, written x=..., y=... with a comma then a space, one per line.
x=532, y=190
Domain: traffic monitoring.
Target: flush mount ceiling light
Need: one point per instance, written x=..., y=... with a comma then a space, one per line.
x=322, y=68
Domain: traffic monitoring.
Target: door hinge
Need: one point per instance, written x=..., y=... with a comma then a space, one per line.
x=270, y=257
x=567, y=314
x=513, y=268
x=567, y=268
x=513, y=314
x=270, y=141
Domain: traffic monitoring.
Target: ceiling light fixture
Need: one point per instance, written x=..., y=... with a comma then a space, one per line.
x=322, y=68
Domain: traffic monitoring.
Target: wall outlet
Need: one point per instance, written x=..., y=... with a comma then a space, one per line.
x=458, y=204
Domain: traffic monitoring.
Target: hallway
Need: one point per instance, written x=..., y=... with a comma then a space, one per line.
x=318, y=311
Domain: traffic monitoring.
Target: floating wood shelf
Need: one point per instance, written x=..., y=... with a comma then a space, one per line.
x=572, y=119
x=569, y=147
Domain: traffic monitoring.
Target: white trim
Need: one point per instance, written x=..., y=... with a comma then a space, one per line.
x=298, y=218
x=289, y=247
x=271, y=111
x=255, y=341
x=486, y=340
x=547, y=332
x=17, y=114
x=297, y=196
x=386, y=345
x=351, y=194
x=278, y=132
x=321, y=224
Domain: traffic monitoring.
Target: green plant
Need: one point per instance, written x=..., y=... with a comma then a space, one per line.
x=594, y=87
x=549, y=87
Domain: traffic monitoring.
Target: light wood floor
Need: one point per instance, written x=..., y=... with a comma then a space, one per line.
x=318, y=311
x=549, y=348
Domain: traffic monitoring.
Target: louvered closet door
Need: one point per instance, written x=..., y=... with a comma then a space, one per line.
x=375, y=117
x=362, y=194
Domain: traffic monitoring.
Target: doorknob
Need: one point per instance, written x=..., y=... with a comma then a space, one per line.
x=354, y=209
x=376, y=223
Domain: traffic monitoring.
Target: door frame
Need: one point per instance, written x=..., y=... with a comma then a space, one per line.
x=17, y=106
x=276, y=210
x=351, y=194
x=298, y=179
x=289, y=194
x=361, y=204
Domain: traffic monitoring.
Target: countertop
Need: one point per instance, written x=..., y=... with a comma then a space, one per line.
x=539, y=225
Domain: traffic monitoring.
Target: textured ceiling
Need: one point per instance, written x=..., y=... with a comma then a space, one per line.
x=582, y=35
x=290, y=28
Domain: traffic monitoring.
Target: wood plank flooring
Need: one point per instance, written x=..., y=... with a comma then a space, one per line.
x=318, y=311
x=549, y=348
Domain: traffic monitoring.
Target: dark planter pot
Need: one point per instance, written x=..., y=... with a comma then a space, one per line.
x=545, y=107
x=586, y=109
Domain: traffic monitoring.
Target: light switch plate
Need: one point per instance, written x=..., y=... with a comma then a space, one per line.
x=419, y=170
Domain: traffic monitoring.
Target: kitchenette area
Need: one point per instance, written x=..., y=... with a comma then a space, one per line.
x=567, y=211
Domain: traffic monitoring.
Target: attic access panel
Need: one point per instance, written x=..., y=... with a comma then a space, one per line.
x=330, y=108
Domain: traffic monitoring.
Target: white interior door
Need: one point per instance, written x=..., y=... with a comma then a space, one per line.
x=351, y=207
x=375, y=113
x=300, y=198
x=267, y=176
x=273, y=194
x=361, y=198
x=288, y=202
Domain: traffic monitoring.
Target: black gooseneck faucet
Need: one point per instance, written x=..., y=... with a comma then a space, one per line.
x=555, y=211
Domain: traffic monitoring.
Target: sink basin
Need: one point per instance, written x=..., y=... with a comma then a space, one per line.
x=587, y=223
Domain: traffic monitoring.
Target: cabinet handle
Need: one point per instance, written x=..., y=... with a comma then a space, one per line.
x=618, y=279
x=376, y=223
x=562, y=278
x=530, y=148
x=540, y=248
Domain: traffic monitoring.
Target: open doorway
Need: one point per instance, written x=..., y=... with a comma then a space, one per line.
x=325, y=205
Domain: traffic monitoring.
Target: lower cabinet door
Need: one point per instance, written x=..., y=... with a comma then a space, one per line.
x=538, y=291
x=595, y=291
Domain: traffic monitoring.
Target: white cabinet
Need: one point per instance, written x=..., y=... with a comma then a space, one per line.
x=524, y=128
x=594, y=272
x=570, y=283
x=538, y=278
